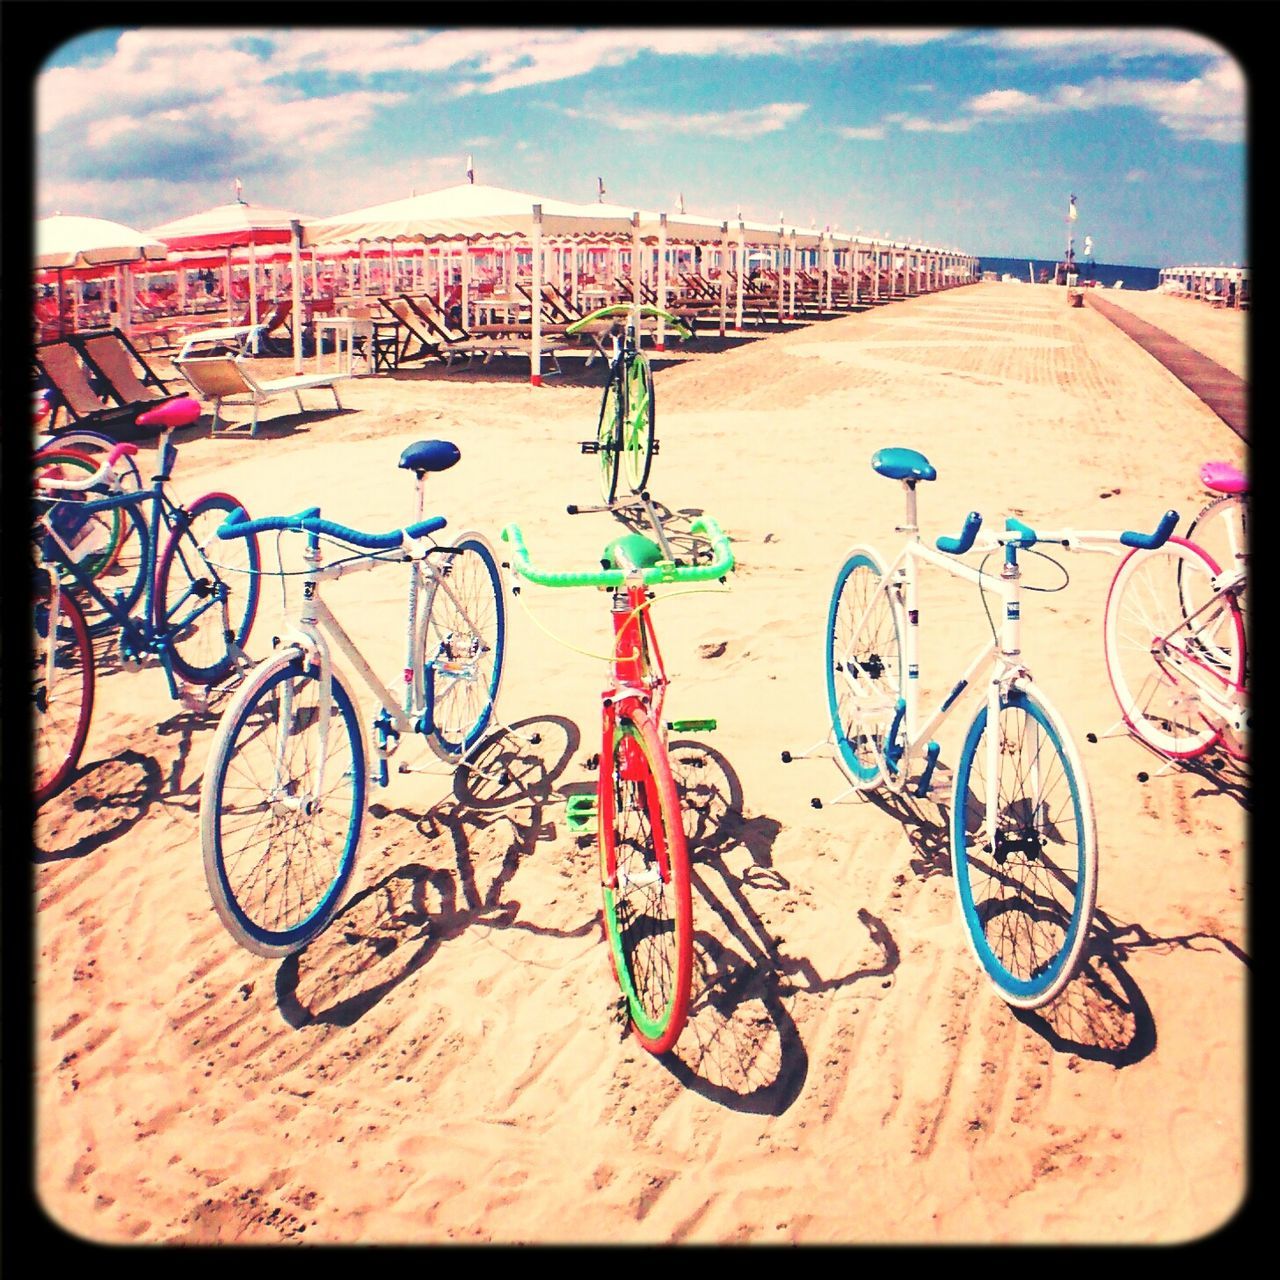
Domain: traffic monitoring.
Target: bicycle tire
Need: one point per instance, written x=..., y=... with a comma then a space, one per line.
x=277, y=857
x=1026, y=894
x=62, y=689
x=609, y=434
x=206, y=594
x=1159, y=662
x=864, y=666
x=648, y=907
x=460, y=648
x=638, y=424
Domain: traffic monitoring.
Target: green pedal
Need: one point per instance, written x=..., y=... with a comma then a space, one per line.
x=580, y=812
x=691, y=726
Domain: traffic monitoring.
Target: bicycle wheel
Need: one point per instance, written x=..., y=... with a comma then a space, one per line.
x=609, y=434
x=637, y=422
x=281, y=806
x=206, y=591
x=648, y=906
x=1027, y=888
x=460, y=646
x=61, y=690
x=1221, y=530
x=1165, y=666
x=864, y=668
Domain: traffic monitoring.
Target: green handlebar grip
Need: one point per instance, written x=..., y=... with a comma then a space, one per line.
x=626, y=308
x=656, y=575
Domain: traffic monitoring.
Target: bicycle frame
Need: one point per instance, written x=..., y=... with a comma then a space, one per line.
x=316, y=624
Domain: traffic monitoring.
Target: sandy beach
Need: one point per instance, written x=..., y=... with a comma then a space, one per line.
x=443, y=1064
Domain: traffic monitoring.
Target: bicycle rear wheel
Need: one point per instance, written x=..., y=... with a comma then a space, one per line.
x=62, y=688
x=1221, y=531
x=609, y=433
x=92, y=539
x=460, y=647
x=206, y=591
x=281, y=806
x=864, y=667
x=1163, y=664
x=1027, y=886
x=644, y=861
x=638, y=424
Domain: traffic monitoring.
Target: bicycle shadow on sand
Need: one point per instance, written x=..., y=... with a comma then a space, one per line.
x=741, y=1047
x=391, y=927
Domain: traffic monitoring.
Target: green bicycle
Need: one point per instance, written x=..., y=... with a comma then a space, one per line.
x=625, y=441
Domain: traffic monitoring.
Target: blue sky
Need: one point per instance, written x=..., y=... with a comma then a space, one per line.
x=966, y=137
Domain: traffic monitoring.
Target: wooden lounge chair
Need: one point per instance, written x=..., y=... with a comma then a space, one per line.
x=61, y=365
x=226, y=379
x=415, y=340
x=457, y=342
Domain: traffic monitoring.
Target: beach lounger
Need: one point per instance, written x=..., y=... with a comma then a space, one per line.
x=415, y=340
x=455, y=342
x=226, y=379
x=61, y=365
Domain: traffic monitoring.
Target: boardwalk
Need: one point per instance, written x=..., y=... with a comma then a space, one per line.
x=1223, y=391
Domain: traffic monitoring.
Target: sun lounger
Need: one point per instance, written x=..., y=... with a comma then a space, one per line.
x=455, y=342
x=226, y=379
x=415, y=340
x=121, y=368
x=61, y=365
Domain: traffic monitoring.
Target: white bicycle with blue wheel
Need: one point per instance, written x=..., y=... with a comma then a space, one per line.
x=1022, y=829
x=285, y=789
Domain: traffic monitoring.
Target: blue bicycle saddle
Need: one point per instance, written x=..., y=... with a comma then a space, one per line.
x=903, y=464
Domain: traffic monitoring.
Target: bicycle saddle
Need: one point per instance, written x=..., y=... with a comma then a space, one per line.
x=903, y=464
x=173, y=413
x=632, y=551
x=429, y=455
x=1222, y=477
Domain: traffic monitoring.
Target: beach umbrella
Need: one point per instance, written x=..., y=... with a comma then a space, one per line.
x=66, y=242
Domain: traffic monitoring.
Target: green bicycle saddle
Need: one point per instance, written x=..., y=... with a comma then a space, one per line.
x=633, y=551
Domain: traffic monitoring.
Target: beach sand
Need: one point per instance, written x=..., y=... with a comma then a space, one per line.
x=443, y=1064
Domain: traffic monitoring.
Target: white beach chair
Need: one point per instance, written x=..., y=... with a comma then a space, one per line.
x=227, y=379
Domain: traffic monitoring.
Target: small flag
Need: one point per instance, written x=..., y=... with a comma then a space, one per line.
x=600, y=190
x=239, y=189
x=1072, y=212
x=680, y=201
x=471, y=173
x=1088, y=245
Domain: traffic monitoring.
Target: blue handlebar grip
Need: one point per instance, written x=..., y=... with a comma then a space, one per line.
x=958, y=546
x=1026, y=534
x=238, y=524
x=1150, y=541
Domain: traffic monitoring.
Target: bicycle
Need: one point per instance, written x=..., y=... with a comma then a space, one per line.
x=1176, y=631
x=644, y=858
x=175, y=604
x=625, y=438
x=1022, y=827
x=284, y=793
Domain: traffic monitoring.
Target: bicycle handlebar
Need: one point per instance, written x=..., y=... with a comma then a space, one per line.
x=627, y=308
x=107, y=471
x=1026, y=536
x=238, y=525
x=662, y=573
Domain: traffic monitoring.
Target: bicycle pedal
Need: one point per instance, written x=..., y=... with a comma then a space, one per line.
x=580, y=812
x=590, y=446
x=691, y=726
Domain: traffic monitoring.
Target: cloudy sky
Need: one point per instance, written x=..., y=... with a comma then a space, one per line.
x=968, y=137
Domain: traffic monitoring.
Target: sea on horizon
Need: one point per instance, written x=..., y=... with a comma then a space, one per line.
x=1106, y=274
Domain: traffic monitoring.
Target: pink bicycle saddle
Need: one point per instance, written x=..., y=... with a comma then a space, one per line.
x=173, y=413
x=1222, y=477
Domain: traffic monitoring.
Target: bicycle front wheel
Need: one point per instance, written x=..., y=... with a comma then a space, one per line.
x=864, y=667
x=281, y=805
x=1221, y=531
x=644, y=863
x=1167, y=667
x=62, y=688
x=206, y=591
x=460, y=647
x=637, y=424
x=609, y=434
x=1024, y=848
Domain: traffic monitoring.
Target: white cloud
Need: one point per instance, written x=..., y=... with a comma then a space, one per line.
x=869, y=133
x=747, y=123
